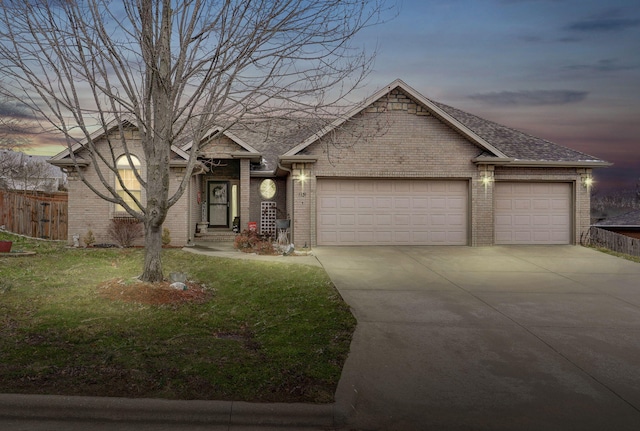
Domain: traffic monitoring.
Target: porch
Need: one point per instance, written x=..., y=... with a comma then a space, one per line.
x=215, y=235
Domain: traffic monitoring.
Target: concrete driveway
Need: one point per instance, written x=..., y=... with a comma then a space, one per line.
x=492, y=338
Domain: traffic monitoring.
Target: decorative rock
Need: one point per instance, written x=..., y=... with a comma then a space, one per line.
x=178, y=286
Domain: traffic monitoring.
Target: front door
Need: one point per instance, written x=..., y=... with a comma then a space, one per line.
x=218, y=192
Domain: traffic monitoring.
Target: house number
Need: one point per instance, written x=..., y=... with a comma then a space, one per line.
x=302, y=194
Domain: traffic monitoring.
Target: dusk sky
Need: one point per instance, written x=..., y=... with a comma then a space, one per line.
x=564, y=70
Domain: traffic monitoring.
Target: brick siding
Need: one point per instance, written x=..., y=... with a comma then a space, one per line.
x=87, y=211
x=397, y=138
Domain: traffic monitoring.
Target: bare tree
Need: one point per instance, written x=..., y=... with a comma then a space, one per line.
x=174, y=68
x=14, y=125
x=19, y=171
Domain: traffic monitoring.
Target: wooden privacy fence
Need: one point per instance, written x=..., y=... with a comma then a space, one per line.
x=41, y=215
x=614, y=241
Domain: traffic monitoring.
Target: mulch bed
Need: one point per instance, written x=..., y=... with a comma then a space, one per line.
x=162, y=293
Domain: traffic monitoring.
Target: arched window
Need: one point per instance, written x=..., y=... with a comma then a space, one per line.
x=130, y=181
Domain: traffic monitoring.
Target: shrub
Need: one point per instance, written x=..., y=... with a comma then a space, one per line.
x=250, y=241
x=166, y=236
x=125, y=231
x=89, y=239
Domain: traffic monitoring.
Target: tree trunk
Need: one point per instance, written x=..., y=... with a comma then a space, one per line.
x=157, y=144
x=156, y=210
x=152, y=272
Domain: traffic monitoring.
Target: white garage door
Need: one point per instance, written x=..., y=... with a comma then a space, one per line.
x=533, y=213
x=392, y=212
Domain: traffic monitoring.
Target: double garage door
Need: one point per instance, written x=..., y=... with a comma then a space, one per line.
x=392, y=212
x=432, y=212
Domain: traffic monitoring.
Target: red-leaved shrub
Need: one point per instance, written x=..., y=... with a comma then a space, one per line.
x=250, y=241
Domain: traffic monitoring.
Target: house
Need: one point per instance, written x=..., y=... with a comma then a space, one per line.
x=24, y=172
x=625, y=224
x=399, y=169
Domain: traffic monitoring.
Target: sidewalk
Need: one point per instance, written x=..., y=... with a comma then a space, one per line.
x=226, y=249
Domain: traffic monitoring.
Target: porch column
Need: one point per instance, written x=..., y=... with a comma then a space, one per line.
x=583, y=204
x=245, y=193
x=303, y=194
x=482, y=210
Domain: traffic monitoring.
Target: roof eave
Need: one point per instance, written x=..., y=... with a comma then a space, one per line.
x=483, y=160
x=290, y=159
x=263, y=174
x=68, y=163
x=179, y=163
x=540, y=163
x=253, y=157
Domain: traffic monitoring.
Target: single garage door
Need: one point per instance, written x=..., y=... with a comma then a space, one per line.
x=391, y=212
x=533, y=213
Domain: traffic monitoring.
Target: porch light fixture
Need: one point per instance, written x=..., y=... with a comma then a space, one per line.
x=302, y=177
x=486, y=178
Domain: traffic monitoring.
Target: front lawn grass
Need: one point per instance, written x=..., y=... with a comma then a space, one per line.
x=266, y=332
x=617, y=254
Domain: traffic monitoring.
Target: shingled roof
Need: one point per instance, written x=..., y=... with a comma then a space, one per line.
x=273, y=137
x=501, y=144
x=514, y=143
x=277, y=137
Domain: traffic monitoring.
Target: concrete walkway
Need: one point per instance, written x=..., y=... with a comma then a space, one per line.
x=496, y=338
x=226, y=249
x=453, y=338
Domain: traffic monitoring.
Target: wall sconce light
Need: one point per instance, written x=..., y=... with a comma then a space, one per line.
x=587, y=181
x=486, y=178
x=302, y=177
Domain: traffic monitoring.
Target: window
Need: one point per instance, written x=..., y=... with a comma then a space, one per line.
x=129, y=180
x=268, y=189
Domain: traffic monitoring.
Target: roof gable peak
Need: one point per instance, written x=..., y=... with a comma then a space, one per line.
x=218, y=131
x=419, y=99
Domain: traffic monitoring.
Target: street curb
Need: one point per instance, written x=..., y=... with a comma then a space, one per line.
x=226, y=413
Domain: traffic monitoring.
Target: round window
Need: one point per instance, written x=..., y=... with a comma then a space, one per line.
x=268, y=189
